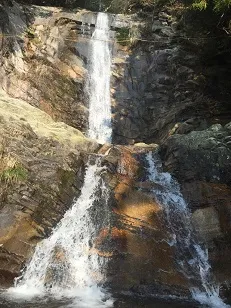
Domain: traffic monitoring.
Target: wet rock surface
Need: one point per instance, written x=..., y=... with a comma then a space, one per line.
x=201, y=163
x=140, y=258
x=41, y=171
x=163, y=93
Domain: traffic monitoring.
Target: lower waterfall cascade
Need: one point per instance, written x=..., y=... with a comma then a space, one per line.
x=66, y=264
x=63, y=264
x=178, y=220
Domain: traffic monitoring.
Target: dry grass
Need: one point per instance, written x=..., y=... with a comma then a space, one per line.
x=11, y=170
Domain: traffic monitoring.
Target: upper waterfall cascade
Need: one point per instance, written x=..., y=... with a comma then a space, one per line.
x=98, y=87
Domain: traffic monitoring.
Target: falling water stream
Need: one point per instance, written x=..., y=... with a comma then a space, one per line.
x=98, y=86
x=65, y=265
x=192, y=258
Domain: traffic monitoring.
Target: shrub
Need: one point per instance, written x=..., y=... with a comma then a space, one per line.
x=218, y=5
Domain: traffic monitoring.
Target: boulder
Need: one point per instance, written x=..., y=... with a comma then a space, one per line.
x=200, y=155
x=206, y=222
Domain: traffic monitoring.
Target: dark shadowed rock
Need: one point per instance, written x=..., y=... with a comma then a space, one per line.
x=201, y=161
x=202, y=155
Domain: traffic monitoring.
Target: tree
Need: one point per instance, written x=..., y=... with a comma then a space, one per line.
x=218, y=5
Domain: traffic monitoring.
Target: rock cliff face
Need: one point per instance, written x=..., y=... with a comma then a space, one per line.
x=161, y=86
x=39, y=62
x=160, y=93
x=41, y=171
x=201, y=162
x=163, y=93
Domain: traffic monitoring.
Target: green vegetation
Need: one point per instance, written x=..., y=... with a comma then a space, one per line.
x=11, y=171
x=115, y=6
x=14, y=175
x=34, y=39
x=123, y=36
x=128, y=5
x=218, y=5
x=30, y=32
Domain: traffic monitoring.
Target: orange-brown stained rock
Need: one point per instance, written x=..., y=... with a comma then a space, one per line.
x=122, y=189
x=19, y=237
x=17, y=245
x=141, y=242
x=128, y=165
x=140, y=246
x=118, y=233
x=136, y=241
x=128, y=168
x=117, y=238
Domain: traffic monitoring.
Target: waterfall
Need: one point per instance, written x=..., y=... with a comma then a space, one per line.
x=65, y=264
x=98, y=86
x=178, y=217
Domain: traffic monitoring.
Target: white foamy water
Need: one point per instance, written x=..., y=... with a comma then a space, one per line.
x=98, y=87
x=65, y=264
x=178, y=217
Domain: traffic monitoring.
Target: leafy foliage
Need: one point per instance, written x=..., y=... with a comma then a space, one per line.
x=218, y=5
x=221, y=5
x=122, y=36
x=116, y=6
x=200, y=5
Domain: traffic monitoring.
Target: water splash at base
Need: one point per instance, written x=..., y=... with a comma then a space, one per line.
x=66, y=264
